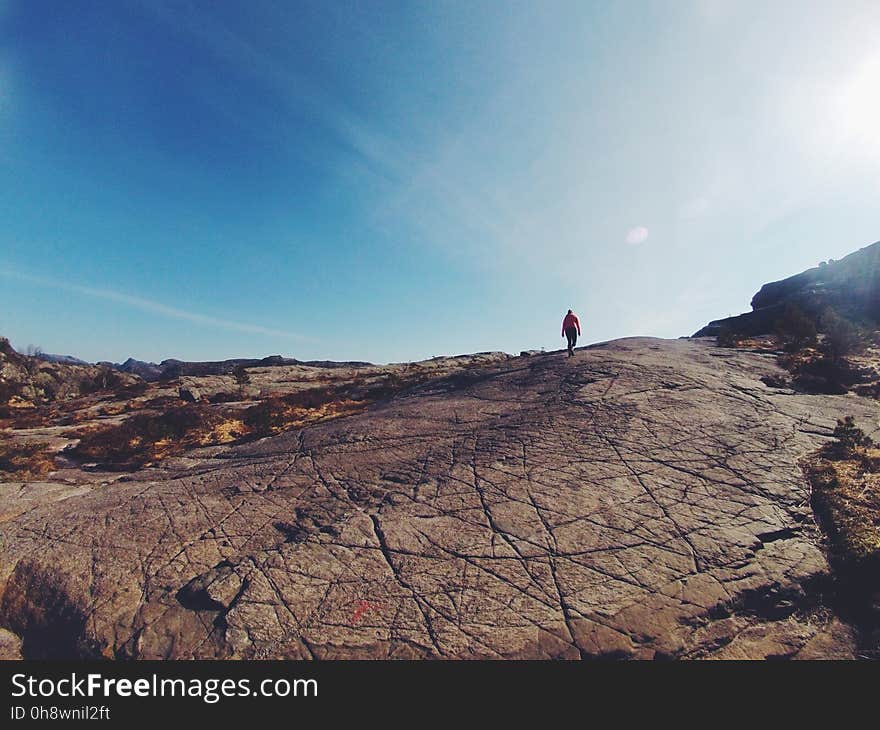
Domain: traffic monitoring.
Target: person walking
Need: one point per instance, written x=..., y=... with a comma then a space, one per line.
x=571, y=328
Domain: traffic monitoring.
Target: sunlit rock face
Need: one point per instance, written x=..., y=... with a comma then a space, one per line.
x=642, y=499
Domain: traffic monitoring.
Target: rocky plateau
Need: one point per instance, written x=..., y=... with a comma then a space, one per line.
x=643, y=499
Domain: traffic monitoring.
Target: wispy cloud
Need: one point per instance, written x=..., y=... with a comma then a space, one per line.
x=149, y=305
x=433, y=189
x=295, y=90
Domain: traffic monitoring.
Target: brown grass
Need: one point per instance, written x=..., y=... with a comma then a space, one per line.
x=143, y=439
x=760, y=344
x=113, y=409
x=794, y=361
x=28, y=418
x=277, y=414
x=846, y=497
x=165, y=427
x=25, y=461
x=225, y=432
x=815, y=372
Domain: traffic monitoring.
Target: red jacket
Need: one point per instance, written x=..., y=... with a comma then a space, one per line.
x=571, y=320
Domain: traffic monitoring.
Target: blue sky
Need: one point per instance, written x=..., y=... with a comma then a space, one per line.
x=395, y=180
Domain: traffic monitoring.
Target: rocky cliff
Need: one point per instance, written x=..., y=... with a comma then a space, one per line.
x=851, y=286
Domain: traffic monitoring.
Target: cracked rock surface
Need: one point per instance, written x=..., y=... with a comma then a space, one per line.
x=642, y=499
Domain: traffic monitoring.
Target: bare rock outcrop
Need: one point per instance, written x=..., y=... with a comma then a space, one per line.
x=642, y=499
x=851, y=286
x=29, y=379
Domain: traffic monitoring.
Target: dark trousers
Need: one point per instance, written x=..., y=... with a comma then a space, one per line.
x=571, y=334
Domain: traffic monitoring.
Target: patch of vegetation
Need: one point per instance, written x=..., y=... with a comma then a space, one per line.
x=280, y=413
x=145, y=438
x=394, y=384
x=242, y=378
x=27, y=417
x=776, y=381
x=25, y=461
x=171, y=428
x=818, y=373
x=795, y=330
x=728, y=337
x=848, y=504
x=47, y=385
x=821, y=368
x=162, y=401
x=845, y=480
x=850, y=437
x=842, y=337
x=314, y=397
x=8, y=391
x=266, y=417
x=142, y=439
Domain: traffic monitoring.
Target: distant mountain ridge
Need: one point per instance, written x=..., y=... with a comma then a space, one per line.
x=851, y=286
x=64, y=359
x=172, y=368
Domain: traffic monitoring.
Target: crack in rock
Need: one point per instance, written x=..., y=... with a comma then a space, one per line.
x=642, y=499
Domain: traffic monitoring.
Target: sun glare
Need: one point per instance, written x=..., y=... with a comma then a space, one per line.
x=858, y=106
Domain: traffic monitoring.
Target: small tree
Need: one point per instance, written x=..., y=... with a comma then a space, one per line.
x=795, y=330
x=850, y=436
x=265, y=417
x=841, y=336
x=32, y=360
x=242, y=378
